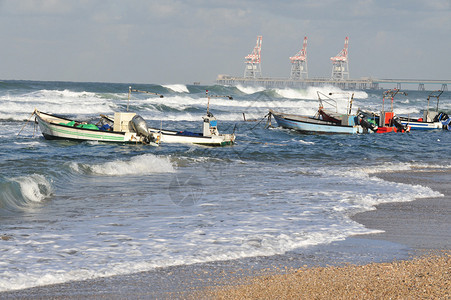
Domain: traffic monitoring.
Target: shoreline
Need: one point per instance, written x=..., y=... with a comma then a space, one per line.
x=411, y=229
x=405, y=222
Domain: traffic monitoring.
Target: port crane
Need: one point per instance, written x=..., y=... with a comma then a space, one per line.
x=299, y=68
x=253, y=61
x=340, y=67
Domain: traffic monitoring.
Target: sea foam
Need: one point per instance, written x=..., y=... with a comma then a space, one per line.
x=179, y=88
x=250, y=89
x=311, y=93
x=138, y=165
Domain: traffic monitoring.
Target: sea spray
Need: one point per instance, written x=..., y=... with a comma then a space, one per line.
x=138, y=165
x=250, y=89
x=179, y=88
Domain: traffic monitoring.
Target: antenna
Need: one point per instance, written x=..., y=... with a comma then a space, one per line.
x=340, y=67
x=130, y=90
x=391, y=94
x=253, y=60
x=299, y=63
x=214, y=96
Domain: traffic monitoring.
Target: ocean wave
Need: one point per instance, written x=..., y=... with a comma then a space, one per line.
x=250, y=89
x=396, y=167
x=19, y=107
x=60, y=94
x=356, y=190
x=138, y=165
x=20, y=192
x=311, y=93
x=179, y=88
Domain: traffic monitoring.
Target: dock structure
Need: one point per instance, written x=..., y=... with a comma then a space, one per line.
x=359, y=84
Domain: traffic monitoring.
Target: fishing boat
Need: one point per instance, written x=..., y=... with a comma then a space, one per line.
x=209, y=136
x=124, y=127
x=325, y=120
x=432, y=119
x=387, y=121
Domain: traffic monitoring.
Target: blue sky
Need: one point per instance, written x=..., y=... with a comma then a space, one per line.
x=185, y=41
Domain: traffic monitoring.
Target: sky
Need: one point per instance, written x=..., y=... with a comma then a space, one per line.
x=139, y=41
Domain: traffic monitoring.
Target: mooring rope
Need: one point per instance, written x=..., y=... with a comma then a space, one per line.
x=268, y=114
x=34, y=112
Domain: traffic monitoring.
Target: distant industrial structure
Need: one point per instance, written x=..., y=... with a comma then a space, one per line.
x=253, y=61
x=299, y=77
x=340, y=67
x=299, y=68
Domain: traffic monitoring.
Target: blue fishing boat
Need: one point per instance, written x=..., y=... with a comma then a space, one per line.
x=326, y=120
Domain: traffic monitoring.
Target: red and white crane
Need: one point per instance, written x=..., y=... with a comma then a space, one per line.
x=340, y=67
x=253, y=61
x=299, y=68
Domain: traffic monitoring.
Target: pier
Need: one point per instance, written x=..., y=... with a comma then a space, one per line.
x=360, y=84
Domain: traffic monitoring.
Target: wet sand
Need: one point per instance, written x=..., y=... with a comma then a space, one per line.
x=382, y=264
x=423, y=226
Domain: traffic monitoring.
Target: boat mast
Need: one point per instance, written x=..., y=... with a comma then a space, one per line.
x=214, y=96
x=435, y=96
x=391, y=93
x=130, y=90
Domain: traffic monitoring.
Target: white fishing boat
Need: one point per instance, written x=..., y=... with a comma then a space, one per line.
x=123, y=128
x=432, y=119
x=209, y=136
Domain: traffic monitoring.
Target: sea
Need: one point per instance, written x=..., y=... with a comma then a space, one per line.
x=81, y=210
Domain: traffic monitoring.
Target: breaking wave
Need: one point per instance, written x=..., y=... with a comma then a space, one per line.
x=179, y=88
x=138, y=165
x=311, y=93
x=21, y=192
x=250, y=89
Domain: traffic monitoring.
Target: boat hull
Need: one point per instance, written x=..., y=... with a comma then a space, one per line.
x=170, y=136
x=311, y=125
x=415, y=125
x=52, y=129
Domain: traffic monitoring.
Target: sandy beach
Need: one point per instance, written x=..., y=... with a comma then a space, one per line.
x=411, y=259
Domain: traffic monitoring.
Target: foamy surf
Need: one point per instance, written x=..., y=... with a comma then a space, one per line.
x=19, y=107
x=250, y=89
x=179, y=88
x=139, y=165
x=311, y=93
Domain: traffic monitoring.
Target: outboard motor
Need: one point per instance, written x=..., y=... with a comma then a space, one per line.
x=401, y=127
x=139, y=125
x=362, y=121
x=441, y=116
x=446, y=124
